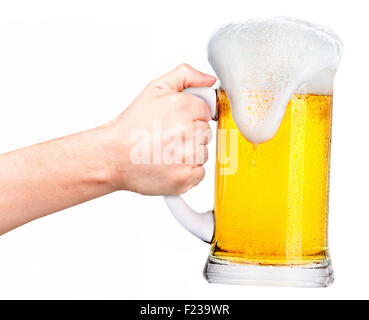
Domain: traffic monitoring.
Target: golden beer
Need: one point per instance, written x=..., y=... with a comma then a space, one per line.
x=272, y=210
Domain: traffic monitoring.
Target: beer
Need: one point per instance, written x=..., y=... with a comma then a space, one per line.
x=273, y=149
x=272, y=210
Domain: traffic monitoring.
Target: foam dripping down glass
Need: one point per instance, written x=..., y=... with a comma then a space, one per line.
x=274, y=107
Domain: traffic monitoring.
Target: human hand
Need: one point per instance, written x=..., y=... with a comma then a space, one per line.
x=158, y=144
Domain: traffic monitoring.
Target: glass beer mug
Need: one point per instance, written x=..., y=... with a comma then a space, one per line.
x=269, y=223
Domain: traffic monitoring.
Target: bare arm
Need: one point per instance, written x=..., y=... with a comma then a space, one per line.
x=54, y=175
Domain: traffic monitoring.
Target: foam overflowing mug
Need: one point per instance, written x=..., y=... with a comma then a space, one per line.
x=274, y=107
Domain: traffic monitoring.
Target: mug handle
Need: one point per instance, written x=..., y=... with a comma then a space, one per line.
x=199, y=224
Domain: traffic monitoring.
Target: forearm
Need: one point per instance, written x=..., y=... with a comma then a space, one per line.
x=51, y=176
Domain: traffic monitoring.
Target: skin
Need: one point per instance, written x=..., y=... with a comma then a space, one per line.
x=41, y=179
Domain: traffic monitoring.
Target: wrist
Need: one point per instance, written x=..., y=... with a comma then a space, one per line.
x=113, y=154
x=96, y=158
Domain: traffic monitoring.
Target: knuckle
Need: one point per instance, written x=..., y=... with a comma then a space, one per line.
x=201, y=108
x=152, y=83
x=178, y=102
x=203, y=132
x=156, y=84
x=173, y=98
x=184, y=67
x=206, y=108
x=185, y=105
x=179, y=98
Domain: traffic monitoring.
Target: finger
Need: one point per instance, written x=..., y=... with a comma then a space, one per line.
x=199, y=109
x=194, y=155
x=202, y=132
x=184, y=76
x=202, y=155
x=198, y=174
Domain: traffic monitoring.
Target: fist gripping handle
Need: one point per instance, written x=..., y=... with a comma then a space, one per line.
x=199, y=224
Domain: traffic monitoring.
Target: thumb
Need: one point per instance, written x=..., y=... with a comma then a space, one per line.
x=184, y=76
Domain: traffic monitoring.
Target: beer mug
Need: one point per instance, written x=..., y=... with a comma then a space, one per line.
x=269, y=223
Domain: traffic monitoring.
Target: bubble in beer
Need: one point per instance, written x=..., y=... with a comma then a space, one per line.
x=261, y=63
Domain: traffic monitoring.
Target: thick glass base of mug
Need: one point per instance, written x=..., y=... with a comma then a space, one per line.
x=312, y=275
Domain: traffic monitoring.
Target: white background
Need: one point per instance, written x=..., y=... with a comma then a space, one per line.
x=66, y=66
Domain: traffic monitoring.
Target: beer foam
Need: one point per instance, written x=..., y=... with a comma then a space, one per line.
x=261, y=63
